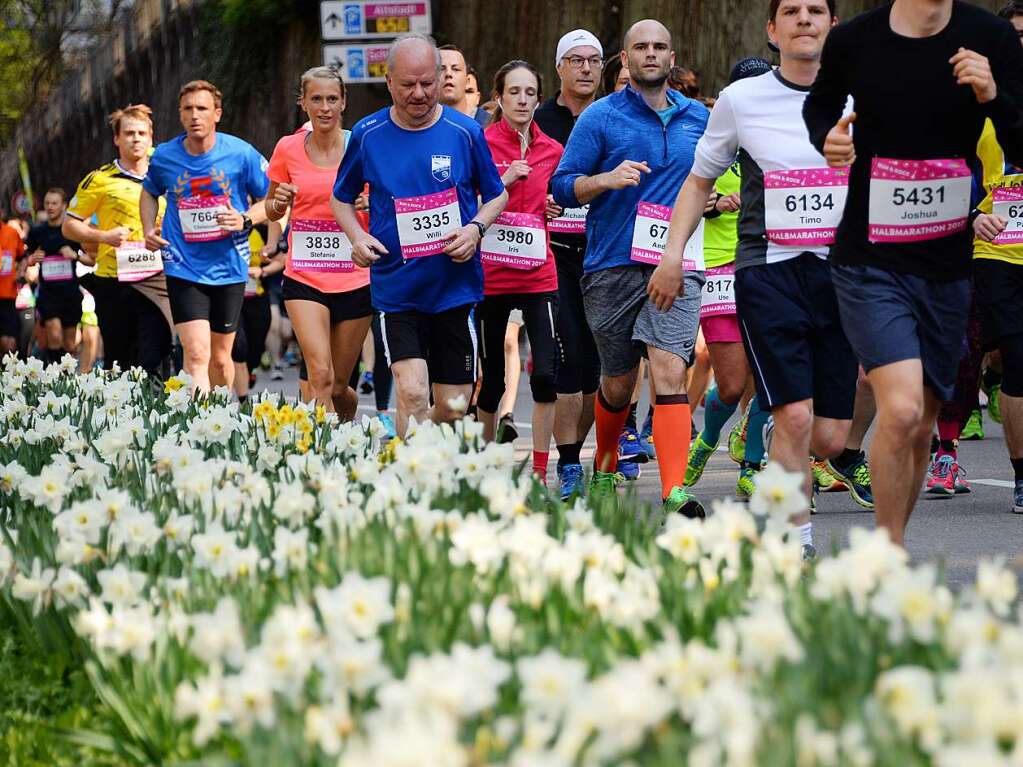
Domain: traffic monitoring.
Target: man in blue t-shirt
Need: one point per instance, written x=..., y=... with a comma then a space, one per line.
x=627, y=158
x=209, y=179
x=425, y=165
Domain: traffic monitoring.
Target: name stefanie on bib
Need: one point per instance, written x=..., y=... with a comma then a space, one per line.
x=917, y=200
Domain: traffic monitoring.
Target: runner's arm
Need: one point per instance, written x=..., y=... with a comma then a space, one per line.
x=825, y=103
x=149, y=209
x=1006, y=110
x=79, y=231
x=577, y=179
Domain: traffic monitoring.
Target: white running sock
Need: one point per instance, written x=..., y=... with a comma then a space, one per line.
x=806, y=534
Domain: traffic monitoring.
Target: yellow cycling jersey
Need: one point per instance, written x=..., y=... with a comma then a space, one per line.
x=998, y=173
x=112, y=194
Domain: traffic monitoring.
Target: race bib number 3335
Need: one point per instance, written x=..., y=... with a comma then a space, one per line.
x=425, y=222
x=917, y=200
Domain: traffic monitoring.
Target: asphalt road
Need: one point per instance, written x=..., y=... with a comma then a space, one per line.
x=955, y=532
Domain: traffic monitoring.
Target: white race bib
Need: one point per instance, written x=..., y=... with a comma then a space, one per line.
x=719, y=292
x=425, y=222
x=1008, y=203
x=57, y=269
x=518, y=240
x=571, y=221
x=251, y=287
x=136, y=262
x=198, y=217
x=650, y=237
x=804, y=207
x=917, y=200
x=318, y=245
x=6, y=263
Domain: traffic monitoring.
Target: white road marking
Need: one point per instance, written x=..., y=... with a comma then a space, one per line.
x=993, y=482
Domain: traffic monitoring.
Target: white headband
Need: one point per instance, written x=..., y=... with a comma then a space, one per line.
x=574, y=39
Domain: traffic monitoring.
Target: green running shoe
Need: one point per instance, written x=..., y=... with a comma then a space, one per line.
x=699, y=453
x=680, y=502
x=857, y=478
x=974, y=428
x=737, y=438
x=604, y=484
x=744, y=486
x=994, y=407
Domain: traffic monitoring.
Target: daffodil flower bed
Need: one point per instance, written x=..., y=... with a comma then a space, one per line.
x=271, y=587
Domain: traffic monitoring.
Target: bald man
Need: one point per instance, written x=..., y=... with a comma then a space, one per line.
x=425, y=164
x=627, y=157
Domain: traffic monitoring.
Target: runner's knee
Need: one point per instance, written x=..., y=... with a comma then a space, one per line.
x=543, y=388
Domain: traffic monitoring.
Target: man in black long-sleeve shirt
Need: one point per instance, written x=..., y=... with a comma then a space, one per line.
x=923, y=74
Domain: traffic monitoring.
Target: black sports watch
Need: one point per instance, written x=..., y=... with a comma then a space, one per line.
x=483, y=229
x=246, y=223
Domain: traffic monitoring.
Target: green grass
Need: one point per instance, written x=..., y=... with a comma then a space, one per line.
x=38, y=695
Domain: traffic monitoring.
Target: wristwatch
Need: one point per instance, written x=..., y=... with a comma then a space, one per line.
x=483, y=229
x=246, y=223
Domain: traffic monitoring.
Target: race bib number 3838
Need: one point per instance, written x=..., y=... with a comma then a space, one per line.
x=318, y=245
x=917, y=200
x=425, y=222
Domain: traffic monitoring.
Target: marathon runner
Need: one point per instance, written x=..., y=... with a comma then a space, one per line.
x=629, y=154
x=803, y=366
x=998, y=273
x=12, y=250
x=924, y=76
x=327, y=295
x=518, y=266
x=425, y=165
x=59, y=302
x=718, y=319
x=455, y=83
x=578, y=60
x=254, y=323
x=209, y=180
x=128, y=285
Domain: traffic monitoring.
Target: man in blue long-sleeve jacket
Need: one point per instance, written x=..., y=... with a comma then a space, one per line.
x=627, y=157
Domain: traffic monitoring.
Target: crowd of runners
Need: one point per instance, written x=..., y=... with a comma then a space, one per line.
x=833, y=243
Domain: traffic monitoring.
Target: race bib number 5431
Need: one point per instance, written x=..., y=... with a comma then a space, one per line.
x=917, y=200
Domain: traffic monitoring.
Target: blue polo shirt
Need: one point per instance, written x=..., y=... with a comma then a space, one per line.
x=452, y=154
x=233, y=169
x=622, y=127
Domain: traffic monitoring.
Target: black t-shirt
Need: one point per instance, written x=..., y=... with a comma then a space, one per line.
x=50, y=240
x=909, y=107
x=557, y=121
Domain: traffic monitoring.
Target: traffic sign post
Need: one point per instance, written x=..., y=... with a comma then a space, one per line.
x=359, y=63
x=361, y=19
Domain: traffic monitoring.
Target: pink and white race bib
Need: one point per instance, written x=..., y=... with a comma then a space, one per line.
x=719, y=292
x=650, y=237
x=804, y=207
x=6, y=263
x=425, y=222
x=917, y=200
x=136, y=262
x=57, y=269
x=518, y=240
x=251, y=287
x=318, y=245
x=571, y=221
x=1008, y=203
x=198, y=216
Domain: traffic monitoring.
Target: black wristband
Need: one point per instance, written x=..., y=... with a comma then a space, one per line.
x=246, y=223
x=480, y=226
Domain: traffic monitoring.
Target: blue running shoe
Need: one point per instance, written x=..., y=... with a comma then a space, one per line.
x=646, y=437
x=570, y=480
x=388, y=423
x=629, y=448
x=630, y=470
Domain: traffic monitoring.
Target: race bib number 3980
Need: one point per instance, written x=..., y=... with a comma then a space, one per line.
x=518, y=240
x=425, y=222
x=917, y=200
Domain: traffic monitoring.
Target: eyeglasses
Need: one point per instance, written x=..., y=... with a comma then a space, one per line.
x=576, y=62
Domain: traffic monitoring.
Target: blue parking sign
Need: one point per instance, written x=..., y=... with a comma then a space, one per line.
x=353, y=18
x=356, y=65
